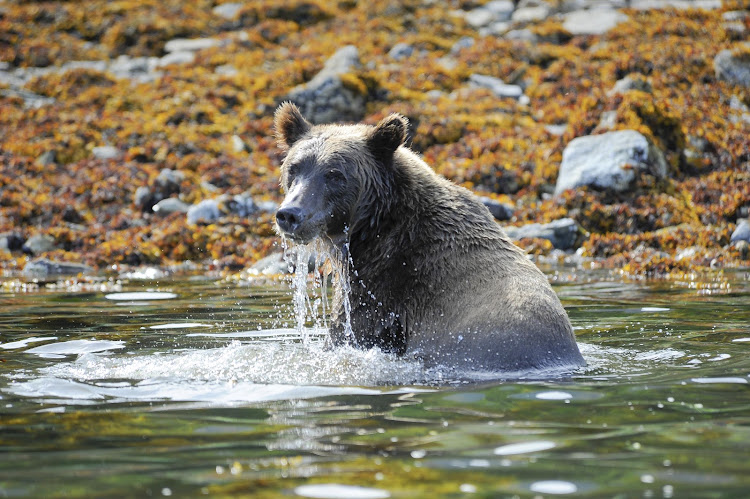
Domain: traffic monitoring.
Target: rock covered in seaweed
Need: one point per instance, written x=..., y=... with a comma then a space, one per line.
x=327, y=97
x=609, y=161
x=733, y=65
x=564, y=234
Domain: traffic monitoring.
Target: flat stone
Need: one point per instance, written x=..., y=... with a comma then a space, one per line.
x=592, y=22
x=207, y=211
x=496, y=86
x=106, y=152
x=564, y=234
x=523, y=35
x=609, y=161
x=273, y=264
x=43, y=268
x=631, y=82
x=675, y=4
x=190, y=44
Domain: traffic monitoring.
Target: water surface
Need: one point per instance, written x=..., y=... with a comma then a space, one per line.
x=199, y=386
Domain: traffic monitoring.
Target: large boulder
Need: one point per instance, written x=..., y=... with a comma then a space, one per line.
x=611, y=160
x=592, y=22
x=326, y=98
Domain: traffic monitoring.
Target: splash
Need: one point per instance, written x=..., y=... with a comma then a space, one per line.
x=310, y=290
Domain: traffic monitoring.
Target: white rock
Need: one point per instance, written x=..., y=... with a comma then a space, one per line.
x=592, y=22
x=530, y=14
x=608, y=161
x=227, y=10
x=677, y=4
x=496, y=86
x=105, y=152
x=182, y=57
x=190, y=45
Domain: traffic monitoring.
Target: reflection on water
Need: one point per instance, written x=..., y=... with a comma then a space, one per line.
x=201, y=387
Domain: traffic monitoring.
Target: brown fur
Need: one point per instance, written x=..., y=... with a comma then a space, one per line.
x=432, y=274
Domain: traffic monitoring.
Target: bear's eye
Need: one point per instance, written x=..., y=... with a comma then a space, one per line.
x=335, y=176
x=293, y=170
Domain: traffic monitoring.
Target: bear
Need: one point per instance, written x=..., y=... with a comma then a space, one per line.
x=431, y=275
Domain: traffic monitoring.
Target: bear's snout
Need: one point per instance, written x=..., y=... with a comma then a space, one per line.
x=289, y=219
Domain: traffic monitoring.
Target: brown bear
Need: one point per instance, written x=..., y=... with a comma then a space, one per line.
x=431, y=274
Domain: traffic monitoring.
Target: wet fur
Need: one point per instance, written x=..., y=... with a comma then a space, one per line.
x=432, y=274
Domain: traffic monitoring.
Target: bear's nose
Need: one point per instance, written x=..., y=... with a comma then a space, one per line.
x=289, y=219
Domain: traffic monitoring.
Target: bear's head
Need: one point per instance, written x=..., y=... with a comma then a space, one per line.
x=334, y=176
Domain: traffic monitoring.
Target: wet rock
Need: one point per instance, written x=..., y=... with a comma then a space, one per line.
x=170, y=205
x=30, y=99
x=609, y=161
x=106, y=152
x=495, y=29
x=141, y=197
x=138, y=69
x=495, y=85
x=556, y=130
x=190, y=44
x=227, y=10
x=564, y=234
x=631, y=82
x=170, y=179
x=499, y=210
x=267, y=206
x=733, y=67
x=40, y=243
x=592, y=22
x=326, y=98
x=741, y=232
x=238, y=145
x=11, y=241
x=401, y=51
x=44, y=269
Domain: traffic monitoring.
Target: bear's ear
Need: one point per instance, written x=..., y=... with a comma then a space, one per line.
x=289, y=125
x=387, y=136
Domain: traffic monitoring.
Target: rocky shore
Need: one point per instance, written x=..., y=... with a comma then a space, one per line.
x=613, y=132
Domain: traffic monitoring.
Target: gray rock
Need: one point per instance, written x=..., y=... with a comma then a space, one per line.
x=523, y=35
x=463, y=43
x=227, y=10
x=40, y=243
x=592, y=22
x=735, y=15
x=631, y=82
x=44, y=269
x=241, y=205
x=741, y=232
x=401, y=51
x=497, y=28
x=181, y=57
x=495, y=85
x=190, y=44
x=105, y=152
x=609, y=161
x=142, y=195
x=325, y=99
x=564, y=234
x=207, y=211
x=499, y=210
x=226, y=70
x=138, y=69
x=170, y=205
x=30, y=99
x=47, y=158
x=732, y=69
x=170, y=178
x=556, y=130
x=491, y=12
x=267, y=206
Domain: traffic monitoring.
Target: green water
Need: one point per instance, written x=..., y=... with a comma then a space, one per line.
x=204, y=392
